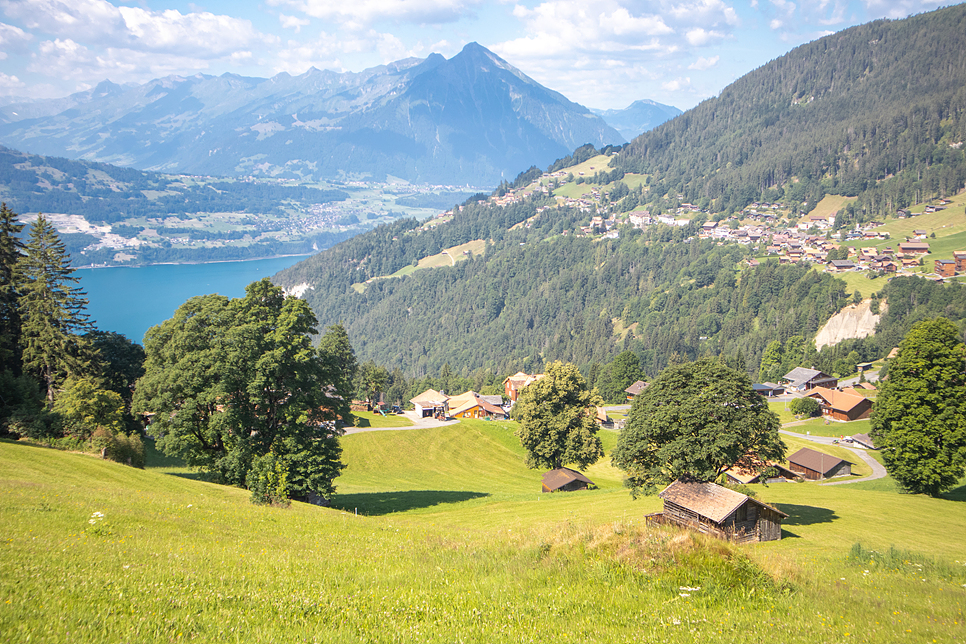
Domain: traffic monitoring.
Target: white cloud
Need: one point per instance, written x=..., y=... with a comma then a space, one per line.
x=704, y=63
x=12, y=40
x=291, y=22
x=699, y=36
x=10, y=83
x=97, y=22
x=677, y=84
x=776, y=24
x=362, y=13
x=899, y=8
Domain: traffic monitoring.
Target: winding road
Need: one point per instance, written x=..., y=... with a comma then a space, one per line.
x=878, y=471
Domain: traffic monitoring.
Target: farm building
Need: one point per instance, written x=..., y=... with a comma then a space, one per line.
x=841, y=405
x=720, y=512
x=768, y=389
x=513, y=384
x=863, y=440
x=802, y=379
x=813, y=465
x=635, y=390
x=746, y=476
x=564, y=479
x=473, y=405
x=431, y=403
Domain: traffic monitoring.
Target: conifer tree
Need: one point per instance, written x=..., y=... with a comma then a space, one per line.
x=11, y=252
x=52, y=311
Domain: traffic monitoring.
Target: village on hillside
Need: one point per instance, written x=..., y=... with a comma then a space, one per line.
x=768, y=227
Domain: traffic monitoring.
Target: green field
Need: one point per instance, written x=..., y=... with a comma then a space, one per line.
x=442, y=535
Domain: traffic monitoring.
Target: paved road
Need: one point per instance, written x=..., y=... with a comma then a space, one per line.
x=418, y=423
x=878, y=471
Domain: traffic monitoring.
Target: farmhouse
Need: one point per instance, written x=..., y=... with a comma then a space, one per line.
x=564, y=479
x=813, y=465
x=516, y=382
x=472, y=405
x=720, y=512
x=841, y=405
x=431, y=403
x=945, y=267
x=635, y=390
x=914, y=247
x=802, y=379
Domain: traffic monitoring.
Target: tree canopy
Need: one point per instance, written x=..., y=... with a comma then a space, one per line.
x=557, y=417
x=231, y=381
x=695, y=420
x=919, y=419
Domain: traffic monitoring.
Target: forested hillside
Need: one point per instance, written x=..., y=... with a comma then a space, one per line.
x=878, y=111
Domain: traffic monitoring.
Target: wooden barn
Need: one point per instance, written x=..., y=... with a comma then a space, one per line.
x=720, y=512
x=564, y=479
x=813, y=465
x=841, y=405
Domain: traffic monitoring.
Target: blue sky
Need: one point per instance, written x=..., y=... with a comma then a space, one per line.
x=600, y=53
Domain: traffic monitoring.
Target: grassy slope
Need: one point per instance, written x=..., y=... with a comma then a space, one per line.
x=437, y=560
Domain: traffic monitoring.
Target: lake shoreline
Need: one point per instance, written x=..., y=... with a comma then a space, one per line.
x=95, y=267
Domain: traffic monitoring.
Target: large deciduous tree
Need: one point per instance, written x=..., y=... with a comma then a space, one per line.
x=231, y=383
x=52, y=311
x=695, y=420
x=557, y=417
x=919, y=418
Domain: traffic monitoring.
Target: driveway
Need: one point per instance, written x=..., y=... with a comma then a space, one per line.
x=418, y=423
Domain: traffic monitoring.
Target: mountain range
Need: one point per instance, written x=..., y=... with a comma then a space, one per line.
x=638, y=117
x=473, y=119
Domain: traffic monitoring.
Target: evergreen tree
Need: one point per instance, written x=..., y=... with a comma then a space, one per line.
x=52, y=311
x=919, y=419
x=11, y=252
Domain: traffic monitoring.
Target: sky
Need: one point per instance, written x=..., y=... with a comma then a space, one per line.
x=600, y=53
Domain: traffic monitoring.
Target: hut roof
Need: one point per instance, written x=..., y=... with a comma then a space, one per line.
x=556, y=479
x=838, y=400
x=709, y=500
x=816, y=461
x=799, y=376
x=865, y=440
x=636, y=388
x=469, y=400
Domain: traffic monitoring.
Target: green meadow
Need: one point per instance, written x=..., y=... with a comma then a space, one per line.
x=442, y=535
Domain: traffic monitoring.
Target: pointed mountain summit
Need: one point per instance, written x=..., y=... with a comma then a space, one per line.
x=472, y=119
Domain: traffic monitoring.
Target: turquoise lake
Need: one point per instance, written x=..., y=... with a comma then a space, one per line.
x=132, y=300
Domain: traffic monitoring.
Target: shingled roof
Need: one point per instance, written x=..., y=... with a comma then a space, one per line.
x=709, y=500
x=815, y=461
x=556, y=479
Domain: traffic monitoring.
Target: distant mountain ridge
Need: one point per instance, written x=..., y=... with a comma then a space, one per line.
x=638, y=117
x=473, y=119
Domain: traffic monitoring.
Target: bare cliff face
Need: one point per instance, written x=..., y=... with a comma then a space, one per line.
x=856, y=321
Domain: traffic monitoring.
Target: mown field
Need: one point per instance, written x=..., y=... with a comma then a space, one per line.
x=441, y=535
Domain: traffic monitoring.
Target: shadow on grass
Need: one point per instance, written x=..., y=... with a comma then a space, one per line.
x=362, y=422
x=380, y=503
x=806, y=514
x=955, y=494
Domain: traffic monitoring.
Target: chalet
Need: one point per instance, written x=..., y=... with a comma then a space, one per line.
x=472, y=405
x=841, y=265
x=720, y=512
x=635, y=390
x=513, y=384
x=768, y=389
x=945, y=267
x=802, y=379
x=431, y=404
x=564, y=479
x=959, y=256
x=840, y=405
x=919, y=248
x=813, y=465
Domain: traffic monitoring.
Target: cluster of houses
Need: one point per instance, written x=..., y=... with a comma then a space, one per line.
x=837, y=403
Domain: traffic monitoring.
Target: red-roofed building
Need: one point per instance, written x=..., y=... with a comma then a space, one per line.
x=841, y=405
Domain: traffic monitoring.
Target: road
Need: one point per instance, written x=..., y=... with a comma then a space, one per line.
x=878, y=471
x=418, y=423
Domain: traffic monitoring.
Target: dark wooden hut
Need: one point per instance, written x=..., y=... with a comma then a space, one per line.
x=564, y=479
x=720, y=512
x=813, y=465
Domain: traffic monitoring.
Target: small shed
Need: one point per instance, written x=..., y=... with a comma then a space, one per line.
x=564, y=479
x=864, y=440
x=720, y=512
x=813, y=465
